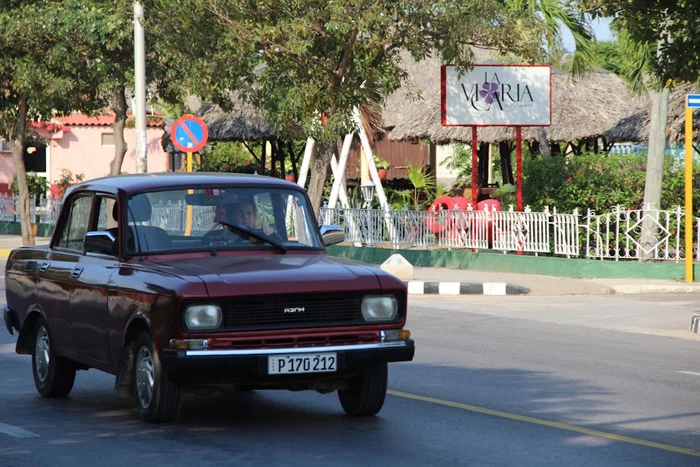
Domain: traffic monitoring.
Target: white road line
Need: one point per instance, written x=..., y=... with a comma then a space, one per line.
x=16, y=432
x=691, y=373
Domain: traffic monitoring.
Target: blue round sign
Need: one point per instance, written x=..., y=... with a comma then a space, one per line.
x=189, y=133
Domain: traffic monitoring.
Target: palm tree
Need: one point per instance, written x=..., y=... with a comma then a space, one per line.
x=557, y=16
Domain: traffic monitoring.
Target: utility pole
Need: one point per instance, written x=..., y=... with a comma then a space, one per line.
x=140, y=89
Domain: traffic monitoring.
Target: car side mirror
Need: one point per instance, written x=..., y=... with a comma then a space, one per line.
x=332, y=234
x=102, y=242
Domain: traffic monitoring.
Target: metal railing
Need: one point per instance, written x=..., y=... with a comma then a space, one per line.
x=621, y=234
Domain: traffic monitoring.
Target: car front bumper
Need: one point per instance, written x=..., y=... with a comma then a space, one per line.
x=253, y=363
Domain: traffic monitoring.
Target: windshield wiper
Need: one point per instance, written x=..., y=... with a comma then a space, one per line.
x=247, y=234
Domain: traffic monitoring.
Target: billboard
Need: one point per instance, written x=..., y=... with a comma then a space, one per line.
x=497, y=95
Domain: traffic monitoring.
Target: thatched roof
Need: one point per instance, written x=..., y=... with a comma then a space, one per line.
x=245, y=123
x=636, y=127
x=583, y=108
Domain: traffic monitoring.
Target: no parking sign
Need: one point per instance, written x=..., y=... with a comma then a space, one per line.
x=189, y=133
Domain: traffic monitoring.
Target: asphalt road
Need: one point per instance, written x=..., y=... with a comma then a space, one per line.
x=485, y=389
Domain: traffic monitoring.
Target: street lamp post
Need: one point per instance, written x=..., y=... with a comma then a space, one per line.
x=368, y=190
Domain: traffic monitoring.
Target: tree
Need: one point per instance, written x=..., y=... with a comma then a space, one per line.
x=664, y=39
x=45, y=68
x=310, y=63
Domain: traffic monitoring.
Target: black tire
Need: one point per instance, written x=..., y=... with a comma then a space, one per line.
x=366, y=394
x=160, y=401
x=53, y=375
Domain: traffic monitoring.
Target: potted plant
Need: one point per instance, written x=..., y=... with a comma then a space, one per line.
x=382, y=167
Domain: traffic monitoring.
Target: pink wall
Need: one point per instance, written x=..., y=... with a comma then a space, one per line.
x=80, y=150
x=7, y=167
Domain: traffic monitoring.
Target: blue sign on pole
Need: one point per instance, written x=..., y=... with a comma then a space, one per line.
x=693, y=101
x=189, y=133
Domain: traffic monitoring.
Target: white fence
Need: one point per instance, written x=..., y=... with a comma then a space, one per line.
x=622, y=234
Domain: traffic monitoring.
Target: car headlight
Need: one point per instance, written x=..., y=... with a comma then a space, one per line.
x=383, y=308
x=201, y=317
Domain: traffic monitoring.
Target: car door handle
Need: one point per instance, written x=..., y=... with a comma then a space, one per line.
x=76, y=272
x=44, y=266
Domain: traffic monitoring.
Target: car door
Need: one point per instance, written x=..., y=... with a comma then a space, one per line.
x=56, y=270
x=90, y=291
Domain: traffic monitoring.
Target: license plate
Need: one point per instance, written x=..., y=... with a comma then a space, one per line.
x=307, y=363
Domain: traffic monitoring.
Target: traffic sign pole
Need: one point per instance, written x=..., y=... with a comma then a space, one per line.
x=692, y=102
x=188, y=221
x=189, y=134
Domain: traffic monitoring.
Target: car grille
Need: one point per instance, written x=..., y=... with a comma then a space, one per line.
x=292, y=311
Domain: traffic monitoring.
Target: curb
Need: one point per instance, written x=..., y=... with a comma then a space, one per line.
x=5, y=253
x=464, y=288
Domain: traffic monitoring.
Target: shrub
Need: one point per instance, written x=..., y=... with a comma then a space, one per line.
x=598, y=182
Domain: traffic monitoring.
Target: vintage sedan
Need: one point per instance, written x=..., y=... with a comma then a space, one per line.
x=177, y=282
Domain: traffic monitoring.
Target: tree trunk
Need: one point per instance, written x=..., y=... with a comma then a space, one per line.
x=655, y=171
x=544, y=142
x=506, y=163
x=119, y=104
x=319, y=174
x=21, y=172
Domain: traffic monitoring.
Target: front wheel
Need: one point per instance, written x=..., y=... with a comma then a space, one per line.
x=158, y=396
x=53, y=376
x=366, y=394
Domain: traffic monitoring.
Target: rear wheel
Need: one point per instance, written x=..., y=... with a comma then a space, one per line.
x=53, y=376
x=158, y=396
x=366, y=394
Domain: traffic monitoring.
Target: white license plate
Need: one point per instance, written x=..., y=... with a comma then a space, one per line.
x=306, y=363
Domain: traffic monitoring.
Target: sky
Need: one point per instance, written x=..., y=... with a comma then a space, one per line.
x=601, y=29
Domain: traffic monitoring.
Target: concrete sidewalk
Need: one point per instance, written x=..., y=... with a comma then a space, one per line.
x=537, y=284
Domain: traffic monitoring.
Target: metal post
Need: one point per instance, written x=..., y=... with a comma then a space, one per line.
x=519, y=162
x=688, y=194
x=475, y=163
x=140, y=89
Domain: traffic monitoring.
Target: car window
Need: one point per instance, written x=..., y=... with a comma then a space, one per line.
x=106, y=215
x=193, y=219
x=74, y=229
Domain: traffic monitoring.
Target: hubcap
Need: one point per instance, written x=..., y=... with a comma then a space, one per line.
x=144, y=376
x=42, y=356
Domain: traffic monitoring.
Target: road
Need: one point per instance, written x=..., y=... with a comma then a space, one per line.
x=484, y=389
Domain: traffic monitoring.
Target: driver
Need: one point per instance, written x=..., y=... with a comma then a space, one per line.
x=243, y=214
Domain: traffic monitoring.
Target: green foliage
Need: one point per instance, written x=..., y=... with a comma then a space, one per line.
x=667, y=30
x=306, y=60
x=380, y=163
x=229, y=157
x=461, y=161
x=598, y=182
x=555, y=16
x=38, y=185
x=66, y=179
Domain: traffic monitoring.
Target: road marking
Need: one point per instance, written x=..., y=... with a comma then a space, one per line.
x=691, y=373
x=539, y=421
x=16, y=431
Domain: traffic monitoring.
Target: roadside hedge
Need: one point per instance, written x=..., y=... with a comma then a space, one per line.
x=601, y=181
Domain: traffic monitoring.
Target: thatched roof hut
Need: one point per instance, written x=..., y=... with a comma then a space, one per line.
x=582, y=109
x=635, y=128
x=245, y=123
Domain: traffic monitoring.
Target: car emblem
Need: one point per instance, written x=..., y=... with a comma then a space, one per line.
x=295, y=309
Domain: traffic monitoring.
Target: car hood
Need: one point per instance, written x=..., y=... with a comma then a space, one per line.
x=278, y=274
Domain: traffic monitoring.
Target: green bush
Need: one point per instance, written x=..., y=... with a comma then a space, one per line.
x=38, y=185
x=230, y=157
x=599, y=182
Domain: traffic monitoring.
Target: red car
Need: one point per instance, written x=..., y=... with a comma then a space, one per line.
x=173, y=282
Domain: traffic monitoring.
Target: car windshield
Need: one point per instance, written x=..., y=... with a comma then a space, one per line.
x=217, y=219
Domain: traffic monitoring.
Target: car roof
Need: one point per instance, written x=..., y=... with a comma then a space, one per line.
x=135, y=183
